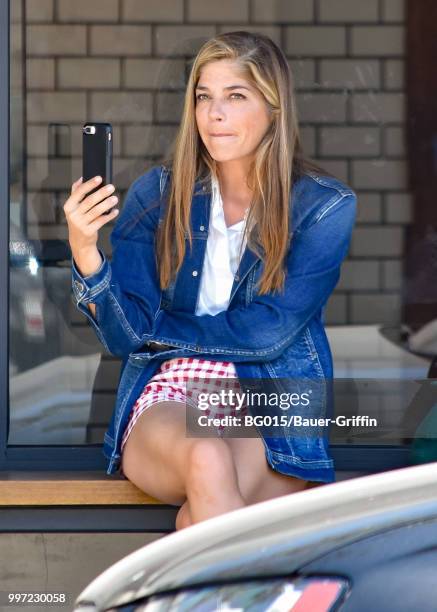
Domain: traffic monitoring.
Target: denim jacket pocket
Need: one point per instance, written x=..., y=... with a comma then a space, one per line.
x=296, y=360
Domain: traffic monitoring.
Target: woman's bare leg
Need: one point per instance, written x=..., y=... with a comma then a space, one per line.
x=153, y=455
x=211, y=480
x=205, y=476
x=257, y=480
x=160, y=460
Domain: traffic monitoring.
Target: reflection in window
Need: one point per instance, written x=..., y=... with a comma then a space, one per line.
x=68, y=68
x=52, y=365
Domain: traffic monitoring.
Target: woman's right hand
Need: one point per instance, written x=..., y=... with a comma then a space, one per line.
x=84, y=213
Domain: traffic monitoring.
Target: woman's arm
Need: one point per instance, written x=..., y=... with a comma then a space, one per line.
x=123, y=295
x=127, y=296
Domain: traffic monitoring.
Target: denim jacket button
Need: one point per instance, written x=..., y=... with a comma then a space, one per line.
x=78, y=286
x=195, y=273
x=202, y=228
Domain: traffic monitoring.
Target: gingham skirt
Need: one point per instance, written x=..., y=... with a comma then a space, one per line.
x=170, y=383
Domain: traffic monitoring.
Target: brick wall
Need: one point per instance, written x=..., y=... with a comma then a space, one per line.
x=126, y=62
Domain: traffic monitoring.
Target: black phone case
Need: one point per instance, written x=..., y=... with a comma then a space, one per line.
x=97, y=154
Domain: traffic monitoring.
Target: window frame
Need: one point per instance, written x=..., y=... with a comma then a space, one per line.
x=90, y=457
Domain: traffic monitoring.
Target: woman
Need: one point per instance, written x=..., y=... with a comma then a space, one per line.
x=267, y=232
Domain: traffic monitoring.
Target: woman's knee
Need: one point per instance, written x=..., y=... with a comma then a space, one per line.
x=163, y=462
x=208, y=461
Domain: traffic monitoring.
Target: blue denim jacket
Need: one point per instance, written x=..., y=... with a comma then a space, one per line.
x=279, y=336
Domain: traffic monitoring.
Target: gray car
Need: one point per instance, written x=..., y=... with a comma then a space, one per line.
x=367, y=543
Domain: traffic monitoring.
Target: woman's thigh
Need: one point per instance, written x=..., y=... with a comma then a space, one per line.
x=257, y=480
x=155, y=452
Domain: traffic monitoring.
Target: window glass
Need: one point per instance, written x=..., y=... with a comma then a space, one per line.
x=71, y=63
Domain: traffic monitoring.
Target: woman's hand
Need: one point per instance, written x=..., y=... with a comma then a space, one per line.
x=85, y=214
x=85, y=217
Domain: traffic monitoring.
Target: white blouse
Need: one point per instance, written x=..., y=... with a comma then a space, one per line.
x=221, y=258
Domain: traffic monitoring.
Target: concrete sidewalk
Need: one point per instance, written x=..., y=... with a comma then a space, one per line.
x=60, y=562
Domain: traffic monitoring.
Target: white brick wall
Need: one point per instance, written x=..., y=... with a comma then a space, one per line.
x=40, y=73
x=153, y=74
x=307, y=41
x=87, y=11
x=337, y=167
x=225, y=11
x=46, y=107
x=379, y=240
x=283, y=11
x=350, y=141
x=359, y=275
x=169, y=107
x=126, y=61
x=392, y=275
x=398, y=208
x=321, y=107
x=353, y=74
x=378, y=107
x=181, y=40
x=38, y=10
x=393, y=10
x=148, y=140
x=379, y=174
x=395, y=145
x=120, y=40
x=308, y=136
x=336, y=309
x=369, y=207
x=122, y=107
x=394, y=73
x=348, y=11
x=274, y=32
x=378, y=40
x=373, y=308
x=303, y=72
x=87, y=73
x=152, y=11
x=52, y=40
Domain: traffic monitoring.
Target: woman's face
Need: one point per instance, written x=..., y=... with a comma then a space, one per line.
x=228, y=104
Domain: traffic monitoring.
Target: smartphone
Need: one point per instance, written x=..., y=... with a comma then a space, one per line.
x=97, y=154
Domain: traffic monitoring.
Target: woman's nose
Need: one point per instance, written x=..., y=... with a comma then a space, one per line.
x=216, y=110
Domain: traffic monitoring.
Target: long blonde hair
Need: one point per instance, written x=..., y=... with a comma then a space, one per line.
x=278, y=160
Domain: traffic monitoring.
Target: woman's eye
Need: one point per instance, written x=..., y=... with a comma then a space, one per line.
x=240, y=96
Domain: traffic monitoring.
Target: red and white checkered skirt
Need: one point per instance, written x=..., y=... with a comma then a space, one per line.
x=170, y=383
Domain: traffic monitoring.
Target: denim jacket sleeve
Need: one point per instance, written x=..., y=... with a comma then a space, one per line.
x=271, y=322
x=125, y=290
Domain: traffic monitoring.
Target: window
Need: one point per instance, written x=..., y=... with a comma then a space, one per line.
x=129, y=67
